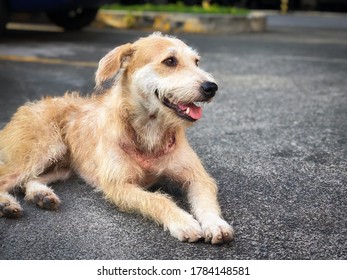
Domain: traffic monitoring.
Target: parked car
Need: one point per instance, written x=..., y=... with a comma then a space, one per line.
x=69, y=14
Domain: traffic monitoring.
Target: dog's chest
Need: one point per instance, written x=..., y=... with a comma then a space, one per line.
x=151, y=163
x=146, y=162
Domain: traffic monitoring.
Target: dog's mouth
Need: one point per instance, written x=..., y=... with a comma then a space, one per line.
x=191, y=111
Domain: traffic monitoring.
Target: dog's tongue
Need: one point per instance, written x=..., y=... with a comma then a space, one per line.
x=191, y=110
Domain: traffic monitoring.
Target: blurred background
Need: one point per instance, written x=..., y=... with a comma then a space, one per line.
x=76, y=14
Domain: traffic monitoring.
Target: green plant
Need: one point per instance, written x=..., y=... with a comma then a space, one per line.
x=179, y=7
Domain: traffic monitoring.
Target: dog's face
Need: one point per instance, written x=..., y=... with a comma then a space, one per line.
x=164, y=75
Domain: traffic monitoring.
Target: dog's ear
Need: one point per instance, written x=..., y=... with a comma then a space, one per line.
x=112, y=62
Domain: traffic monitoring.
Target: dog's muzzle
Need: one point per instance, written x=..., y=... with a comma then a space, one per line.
x=191, y=111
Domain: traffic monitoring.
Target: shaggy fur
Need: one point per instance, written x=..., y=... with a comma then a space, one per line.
x=121, y=140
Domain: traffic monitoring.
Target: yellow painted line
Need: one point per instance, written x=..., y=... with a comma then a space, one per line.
x=34, y=27
x=34, y=59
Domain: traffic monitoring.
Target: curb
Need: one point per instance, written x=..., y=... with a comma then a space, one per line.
x=182, y=23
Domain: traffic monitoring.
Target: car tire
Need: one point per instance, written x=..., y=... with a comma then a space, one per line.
x=73, y=19
x=4, y=15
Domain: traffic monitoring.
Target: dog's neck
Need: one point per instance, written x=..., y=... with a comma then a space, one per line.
x=145, y=132
x=150, y=135
x=141, y=152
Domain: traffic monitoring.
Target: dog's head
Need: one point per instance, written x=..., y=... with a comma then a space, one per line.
x=163, y=73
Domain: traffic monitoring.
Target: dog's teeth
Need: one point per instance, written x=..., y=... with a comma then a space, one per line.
x=187, y=111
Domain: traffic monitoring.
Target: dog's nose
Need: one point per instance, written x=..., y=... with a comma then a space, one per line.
x=208, y=89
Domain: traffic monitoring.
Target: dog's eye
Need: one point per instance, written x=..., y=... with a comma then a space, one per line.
x=171, y=61
x=197, y=62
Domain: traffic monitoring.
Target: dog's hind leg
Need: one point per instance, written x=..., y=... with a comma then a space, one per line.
x=9, y=206
x=30, y=144
x=39, y=193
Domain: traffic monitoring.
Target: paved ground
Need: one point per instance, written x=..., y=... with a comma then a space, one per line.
x=275, y=139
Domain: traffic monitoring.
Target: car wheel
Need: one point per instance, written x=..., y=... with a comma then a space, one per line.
x=4, y=15
x=74, y=19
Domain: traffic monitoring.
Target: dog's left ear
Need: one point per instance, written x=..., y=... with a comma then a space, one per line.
x=112, y=62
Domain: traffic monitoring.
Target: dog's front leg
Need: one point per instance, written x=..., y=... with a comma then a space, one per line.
x=157, y=206
x=202, y=195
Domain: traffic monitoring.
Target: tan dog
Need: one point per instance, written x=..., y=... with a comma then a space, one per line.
x=121, y=141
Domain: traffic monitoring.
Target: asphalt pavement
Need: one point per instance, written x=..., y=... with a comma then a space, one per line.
x=274, y=138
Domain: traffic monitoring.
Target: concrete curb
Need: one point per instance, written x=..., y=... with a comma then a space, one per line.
x=180, y=23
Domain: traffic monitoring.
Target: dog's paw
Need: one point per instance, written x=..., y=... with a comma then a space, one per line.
x=186, y=230
x=217, y=231
x=46, y=200
x=9, y=207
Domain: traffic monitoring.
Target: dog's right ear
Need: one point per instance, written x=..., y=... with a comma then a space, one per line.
x=112, y=62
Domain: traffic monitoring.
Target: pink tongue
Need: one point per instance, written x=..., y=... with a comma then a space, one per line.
x=195, y=112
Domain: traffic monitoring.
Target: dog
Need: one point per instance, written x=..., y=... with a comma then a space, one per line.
x=121, y=139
